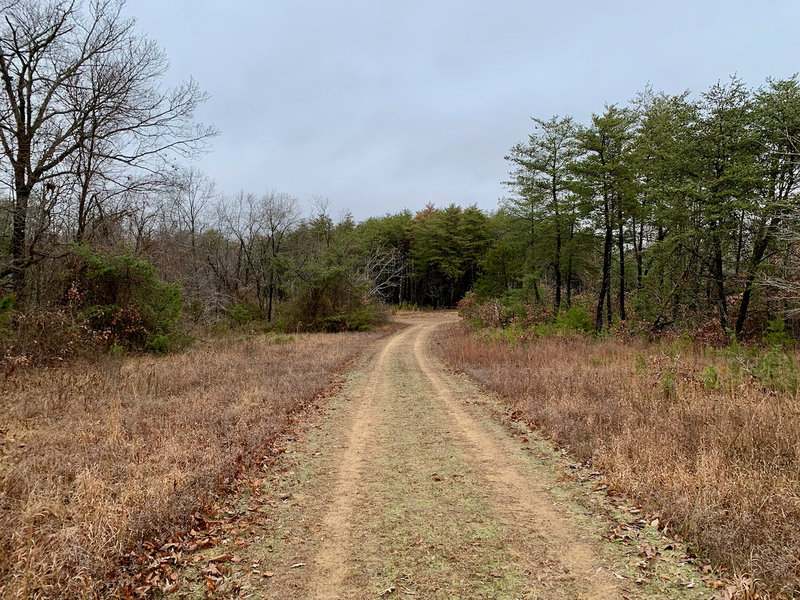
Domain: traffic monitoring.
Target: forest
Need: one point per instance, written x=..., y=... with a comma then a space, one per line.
x=670, y=213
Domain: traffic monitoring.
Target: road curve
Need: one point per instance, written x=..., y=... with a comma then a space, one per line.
x=381, y=503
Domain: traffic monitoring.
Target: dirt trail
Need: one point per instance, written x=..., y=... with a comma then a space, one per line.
x=408, y=487
x=331, y=562
x=516, y=492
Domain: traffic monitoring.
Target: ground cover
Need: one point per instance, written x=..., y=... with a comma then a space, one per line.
x=98, y=457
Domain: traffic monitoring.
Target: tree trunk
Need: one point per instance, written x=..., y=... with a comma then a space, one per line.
x=638, y=245
x=557, y=214
x=18, y=235
x=759, y=250
x=570, y=259
x=271, y=294
x=621, y=247
x=605, y=288
x=739, y=244
x=608, y=297
x=569, y=280
x=557, y=266
x=718, y=275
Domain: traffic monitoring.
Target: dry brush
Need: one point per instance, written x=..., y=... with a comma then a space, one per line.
x=687, y=431
x=97, y=457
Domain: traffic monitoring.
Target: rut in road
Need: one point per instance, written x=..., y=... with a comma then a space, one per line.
x=524, y=545
x=331, y=562
x=404, y=484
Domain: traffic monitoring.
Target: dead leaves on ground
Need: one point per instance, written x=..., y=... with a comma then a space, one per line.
x=154, y=570
x=208, y=549
x=657, y=547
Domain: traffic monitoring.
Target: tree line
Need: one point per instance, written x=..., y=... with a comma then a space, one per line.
x=679, y=208
x=666, y=212
x=671, y=212
x=108, y=232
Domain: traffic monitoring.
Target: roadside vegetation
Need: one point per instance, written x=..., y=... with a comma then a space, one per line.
x=100, y=456
x=668, y=213
x=639, y=303
x=706, y=437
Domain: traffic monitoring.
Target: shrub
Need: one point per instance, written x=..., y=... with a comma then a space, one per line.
x=408, y=306
x=775, y=334
x=710, y=377
x=575, y=318
x=776, y=370
x=239, y=315
x=773, y=369
x=7, y=313
x=331, y=302
x=46, y=335
x=274, y=339
x=669, y=389
x=124, y=302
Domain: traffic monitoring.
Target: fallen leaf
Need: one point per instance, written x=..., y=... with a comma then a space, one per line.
x=221, y=558
x=212, y=571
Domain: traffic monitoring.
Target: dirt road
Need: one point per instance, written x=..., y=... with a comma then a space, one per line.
x=405, y=486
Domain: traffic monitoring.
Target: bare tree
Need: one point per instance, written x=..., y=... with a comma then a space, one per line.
x=191, y=196
x=282, y=215
x=379, y=272
x=81, y=101
x=260, y=226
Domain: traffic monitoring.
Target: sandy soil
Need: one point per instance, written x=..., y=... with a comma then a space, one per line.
x=408, y=484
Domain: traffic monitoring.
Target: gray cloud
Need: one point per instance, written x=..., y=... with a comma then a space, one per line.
x=385, y=105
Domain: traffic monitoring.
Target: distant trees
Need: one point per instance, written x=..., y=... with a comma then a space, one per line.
x=670, y=212
x=437, y=253
x=258, y=226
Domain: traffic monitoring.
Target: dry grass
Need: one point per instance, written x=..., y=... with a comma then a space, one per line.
x=97, y=457
x=715, y=453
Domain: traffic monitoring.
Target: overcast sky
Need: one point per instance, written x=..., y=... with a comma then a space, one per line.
x=383, y=105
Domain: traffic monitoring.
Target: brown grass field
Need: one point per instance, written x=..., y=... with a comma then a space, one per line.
x=96, y=457
x=713, y=450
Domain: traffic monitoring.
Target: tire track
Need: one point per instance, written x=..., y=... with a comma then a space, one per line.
x=517, y=496
x=330, y=566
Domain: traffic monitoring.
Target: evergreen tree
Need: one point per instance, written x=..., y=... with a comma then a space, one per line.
x=542, y=178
